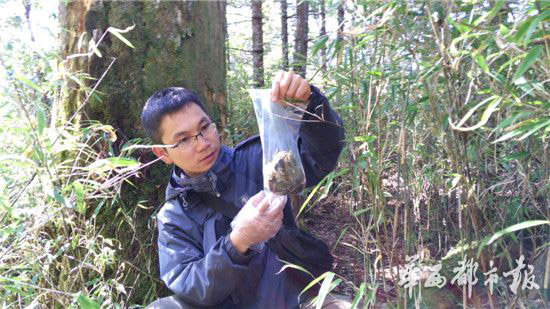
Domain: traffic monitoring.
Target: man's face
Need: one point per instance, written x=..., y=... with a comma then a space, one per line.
x=197, y=157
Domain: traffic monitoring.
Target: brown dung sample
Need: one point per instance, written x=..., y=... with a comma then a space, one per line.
x=284, y=175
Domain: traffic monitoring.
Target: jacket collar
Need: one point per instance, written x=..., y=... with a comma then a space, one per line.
x=211, y=182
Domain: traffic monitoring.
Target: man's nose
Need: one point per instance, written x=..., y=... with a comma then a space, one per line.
x=201, y=142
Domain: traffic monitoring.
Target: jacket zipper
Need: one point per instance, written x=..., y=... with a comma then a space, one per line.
x=183, y=201
x=213, y=180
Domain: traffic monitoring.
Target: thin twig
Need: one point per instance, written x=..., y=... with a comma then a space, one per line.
x=85, y=102
x=36, y=286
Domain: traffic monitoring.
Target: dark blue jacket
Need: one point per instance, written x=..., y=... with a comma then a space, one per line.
x=198, y=261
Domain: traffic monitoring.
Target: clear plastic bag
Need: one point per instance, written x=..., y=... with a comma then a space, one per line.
x=282, y=167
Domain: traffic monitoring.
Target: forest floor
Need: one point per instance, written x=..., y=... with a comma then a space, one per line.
x=327, y=220
x=330, y=217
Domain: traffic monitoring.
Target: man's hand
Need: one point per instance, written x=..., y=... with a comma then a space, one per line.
x=256, y=222
x=287, y=85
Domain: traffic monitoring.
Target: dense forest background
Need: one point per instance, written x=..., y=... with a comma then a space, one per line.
x=446, y=106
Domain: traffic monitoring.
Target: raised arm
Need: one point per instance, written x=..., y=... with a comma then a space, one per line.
x=321, y=138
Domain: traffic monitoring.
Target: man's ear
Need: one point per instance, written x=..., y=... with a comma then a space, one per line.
x=162, y=154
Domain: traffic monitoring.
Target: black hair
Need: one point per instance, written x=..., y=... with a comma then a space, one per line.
x=165, y=102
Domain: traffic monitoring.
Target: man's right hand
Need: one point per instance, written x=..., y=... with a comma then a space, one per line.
x=257, y=221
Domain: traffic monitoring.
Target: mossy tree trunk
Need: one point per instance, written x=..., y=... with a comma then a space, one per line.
x=176, y=43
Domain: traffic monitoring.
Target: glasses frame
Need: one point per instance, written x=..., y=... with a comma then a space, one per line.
x=211, y=125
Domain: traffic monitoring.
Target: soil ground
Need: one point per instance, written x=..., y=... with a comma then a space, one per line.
x=327, y=220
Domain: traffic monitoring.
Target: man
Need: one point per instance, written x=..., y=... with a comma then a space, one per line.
x=203, y=260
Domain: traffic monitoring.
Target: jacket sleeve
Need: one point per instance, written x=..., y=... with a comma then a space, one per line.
x=321, y=138
x=197, y=277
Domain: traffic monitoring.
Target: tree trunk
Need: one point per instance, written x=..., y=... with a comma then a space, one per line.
x=284, y=34
x=323, y=33
x=300, y=38
x=340, y=20
x=175, y=43
x=257, y=44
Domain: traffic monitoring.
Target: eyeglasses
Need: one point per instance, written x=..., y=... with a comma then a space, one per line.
x=187, y=142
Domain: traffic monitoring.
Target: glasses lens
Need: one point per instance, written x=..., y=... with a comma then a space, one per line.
x=185, y=143
x=210, y=128
x=189, y=141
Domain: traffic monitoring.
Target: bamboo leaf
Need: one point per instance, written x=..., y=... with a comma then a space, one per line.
x=123, y=162
x=341, y=236
x=93, y=46
x=487, y=17
x=507, y=136
x=104, y=165
x=321, y=43
x=310, y=196
x=27, y=82
x=339, y=48
x=360, y=212
x=78, y=55
x=527, y=62
x=453, y=48
x=86, y=303
x=80, y=41
x=534, y=129
x=480, y=60
x=455, y=180
x=484, y=118
x=111, y=131
x=40, y=119
x=522, y=29
x=330, y=180
x=503, y=30
x=128, y=29
x=324, y=290
x=516, y=227
x=364, y=138
x=517, y=156
x=508, y=121
x=388, y=13
x=371, y=295
x=358, y=296
x=76, y=80
x=463, y=28
x=79, y=192
x=117, y=33
x=314, y=282
x=16, y=290
x=60, y=198
x=293, y=266
x=533, y=26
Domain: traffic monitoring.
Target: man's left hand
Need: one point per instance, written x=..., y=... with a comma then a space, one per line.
x=287, y=85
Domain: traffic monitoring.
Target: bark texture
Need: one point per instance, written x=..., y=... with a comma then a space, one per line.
x=323, y=32
x=284, y=34
x=300, y=37
x=257, y=43
x=176, y=43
